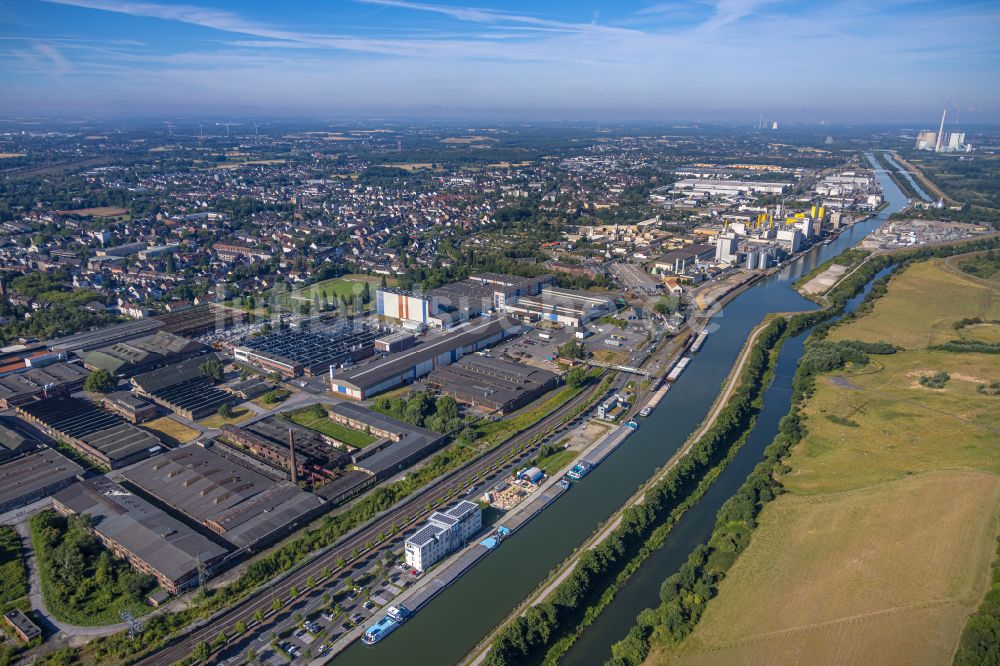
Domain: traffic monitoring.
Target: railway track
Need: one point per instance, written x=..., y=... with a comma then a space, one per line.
x=411, y=509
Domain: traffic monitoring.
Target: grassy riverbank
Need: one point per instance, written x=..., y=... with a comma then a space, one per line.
x=548, y=628
x=869, y=469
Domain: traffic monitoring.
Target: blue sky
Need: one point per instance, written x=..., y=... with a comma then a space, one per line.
x=854, y=60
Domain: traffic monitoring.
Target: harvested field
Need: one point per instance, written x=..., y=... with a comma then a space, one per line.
x=879, y=575
x=881, y=546
x=173, y=430
x=100, y=211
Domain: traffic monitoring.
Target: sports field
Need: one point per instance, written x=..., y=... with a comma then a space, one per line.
x=347, y=285
x=881, y=546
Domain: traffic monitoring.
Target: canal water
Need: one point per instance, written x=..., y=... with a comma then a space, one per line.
x=695, y=526
x=908, y=176
x=450, y=626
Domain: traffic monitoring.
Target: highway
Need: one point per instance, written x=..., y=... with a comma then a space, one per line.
x=412, y=509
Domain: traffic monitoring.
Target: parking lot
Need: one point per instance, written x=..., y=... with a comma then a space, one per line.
x=325, y=617
x=536, y=347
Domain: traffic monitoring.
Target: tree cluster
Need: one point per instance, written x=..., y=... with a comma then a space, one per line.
x=422, y=409
x=82, y=582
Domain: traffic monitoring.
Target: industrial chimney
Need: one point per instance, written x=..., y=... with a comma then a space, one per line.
x=937, y=147
x=291, y=457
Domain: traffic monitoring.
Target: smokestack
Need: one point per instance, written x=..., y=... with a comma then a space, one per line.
x=291, y=451
x=937, y=148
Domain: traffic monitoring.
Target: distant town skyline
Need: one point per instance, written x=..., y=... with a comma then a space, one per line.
x=840, y=61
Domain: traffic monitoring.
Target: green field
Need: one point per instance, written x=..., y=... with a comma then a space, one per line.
x=900, y=427
x=881, y=546
x=240, y=414
x=557, y=461
x=922, y=305
x=322, y=424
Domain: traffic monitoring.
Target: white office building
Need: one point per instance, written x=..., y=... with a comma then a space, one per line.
x=444, y=533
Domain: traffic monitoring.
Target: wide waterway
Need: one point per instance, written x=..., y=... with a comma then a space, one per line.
x=450, y=626
x=907, y=175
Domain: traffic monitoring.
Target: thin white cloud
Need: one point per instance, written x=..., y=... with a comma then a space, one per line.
x=224, y=21
x=721, y=54
x=492, y=16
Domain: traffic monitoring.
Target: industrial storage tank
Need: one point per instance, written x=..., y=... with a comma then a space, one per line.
x=764, y=261
x=752, y=259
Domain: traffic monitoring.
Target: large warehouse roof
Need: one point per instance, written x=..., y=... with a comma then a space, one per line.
x=106, y=335
x=28, y=474
x=101, y=429
x=243, y=504
x=490, y=380
x=161, y=541
x=140, y=353
x=34, y=380
x=372, y=374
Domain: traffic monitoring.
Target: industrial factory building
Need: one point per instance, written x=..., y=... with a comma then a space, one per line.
x=183, y=389
x=293, y=352
x=141, y=354
x=675, y=261
x=564, y=306
x=399, y=444
x=395, y=342
x=404, y=306
x=33, y=476
x=98, y=434
x=494, y=384
x=245, y=507
x=368, y=379
x=267, y=439
x=15, y=439
x=150, y=539
x=713, y=187
x=200, y=319
x=458, y=302
x=130, y=407
x=189, y=322
x=33, y=383
x=80, y=343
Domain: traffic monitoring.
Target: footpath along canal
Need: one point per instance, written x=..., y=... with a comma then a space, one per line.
x=449, y=627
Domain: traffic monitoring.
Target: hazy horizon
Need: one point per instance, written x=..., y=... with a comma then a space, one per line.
x=713, y=61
